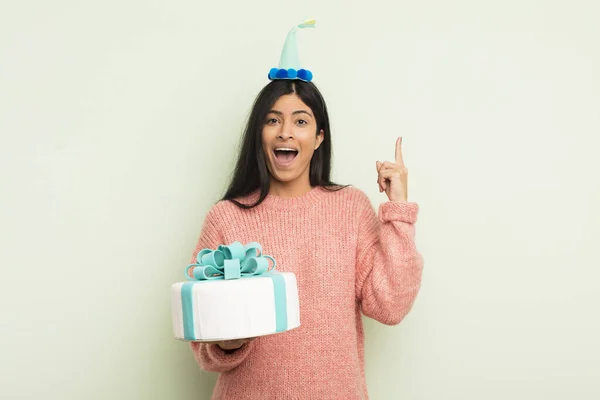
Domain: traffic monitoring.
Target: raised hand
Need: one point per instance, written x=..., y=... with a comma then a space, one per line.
x=393, y=177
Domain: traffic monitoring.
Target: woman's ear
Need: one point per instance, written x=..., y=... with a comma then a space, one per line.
x=320, y=138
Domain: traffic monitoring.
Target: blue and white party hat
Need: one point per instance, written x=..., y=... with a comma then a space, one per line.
x=289, y=63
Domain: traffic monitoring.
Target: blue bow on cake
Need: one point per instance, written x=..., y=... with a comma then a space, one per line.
x=233, y=261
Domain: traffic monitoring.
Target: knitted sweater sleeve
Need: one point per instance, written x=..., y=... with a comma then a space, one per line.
x=211, y=357
x=389, y=266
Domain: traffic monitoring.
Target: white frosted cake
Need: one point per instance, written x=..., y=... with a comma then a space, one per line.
x=250, y=302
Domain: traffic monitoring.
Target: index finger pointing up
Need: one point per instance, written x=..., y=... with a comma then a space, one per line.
x=399, y=159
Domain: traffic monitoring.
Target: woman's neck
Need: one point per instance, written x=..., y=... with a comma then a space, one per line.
x=290, y=189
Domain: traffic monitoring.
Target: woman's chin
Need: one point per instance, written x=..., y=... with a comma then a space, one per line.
x=288, y=177
x=285, y=179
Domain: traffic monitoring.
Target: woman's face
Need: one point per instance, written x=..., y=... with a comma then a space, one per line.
x=289, y=139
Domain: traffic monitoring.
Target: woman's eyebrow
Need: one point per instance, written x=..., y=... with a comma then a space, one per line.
x=294, y=113
x=302, y=112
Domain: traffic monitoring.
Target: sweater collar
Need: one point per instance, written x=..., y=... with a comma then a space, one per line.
x=272, y=201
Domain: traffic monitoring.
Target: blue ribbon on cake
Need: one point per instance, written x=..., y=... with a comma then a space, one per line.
x=230, y=262
x=234, y=261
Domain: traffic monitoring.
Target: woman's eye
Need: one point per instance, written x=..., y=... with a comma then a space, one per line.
x=302, y=122
x=272, y=121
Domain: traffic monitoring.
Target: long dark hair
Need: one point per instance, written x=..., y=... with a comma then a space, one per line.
x=251, y=171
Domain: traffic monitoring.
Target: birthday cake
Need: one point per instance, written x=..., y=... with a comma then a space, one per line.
x=234, y=292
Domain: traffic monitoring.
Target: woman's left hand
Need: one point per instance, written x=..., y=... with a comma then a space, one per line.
x=393, y=177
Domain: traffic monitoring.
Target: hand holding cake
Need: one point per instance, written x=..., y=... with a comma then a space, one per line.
x=231, y=345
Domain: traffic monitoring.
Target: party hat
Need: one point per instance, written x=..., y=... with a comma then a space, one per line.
x=289, y=63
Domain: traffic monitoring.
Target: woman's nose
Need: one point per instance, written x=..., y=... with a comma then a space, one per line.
x=286, y=132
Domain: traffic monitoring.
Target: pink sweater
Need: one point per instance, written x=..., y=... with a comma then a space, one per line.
x=347, y=260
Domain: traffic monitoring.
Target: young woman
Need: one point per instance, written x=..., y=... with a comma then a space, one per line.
x=348, y=260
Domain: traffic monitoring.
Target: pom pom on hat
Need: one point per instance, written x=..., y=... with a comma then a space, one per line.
x=273, y=73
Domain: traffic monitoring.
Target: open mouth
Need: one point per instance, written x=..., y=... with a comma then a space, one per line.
x=285, y=155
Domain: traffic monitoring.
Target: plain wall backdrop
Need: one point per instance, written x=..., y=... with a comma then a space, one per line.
x=120, y=122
